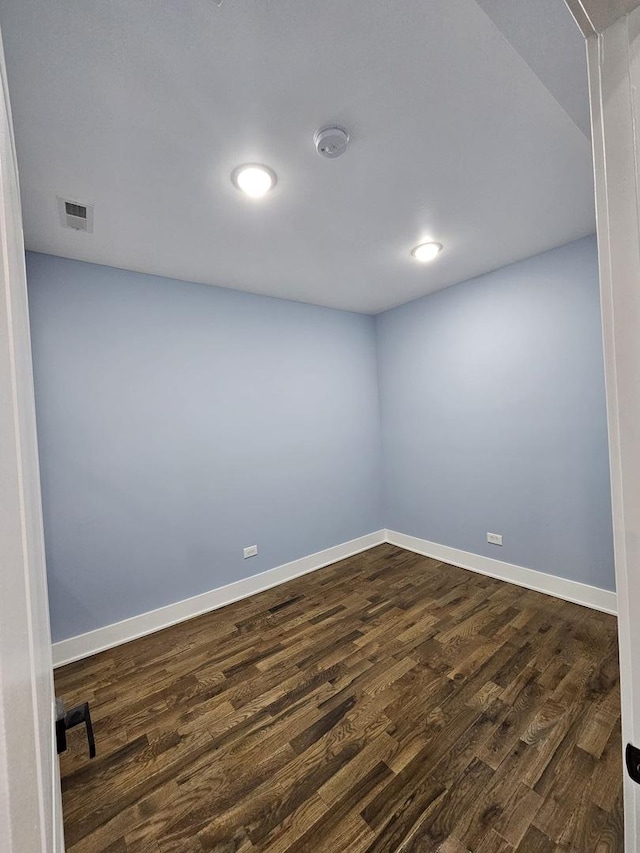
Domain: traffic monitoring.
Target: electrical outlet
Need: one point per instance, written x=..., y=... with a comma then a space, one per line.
x=250, y=551
x=494, y=538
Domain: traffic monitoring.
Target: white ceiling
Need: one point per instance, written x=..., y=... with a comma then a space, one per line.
x=144, y=108
x=546, y=36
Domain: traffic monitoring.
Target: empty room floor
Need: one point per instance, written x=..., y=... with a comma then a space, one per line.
x=386, y=703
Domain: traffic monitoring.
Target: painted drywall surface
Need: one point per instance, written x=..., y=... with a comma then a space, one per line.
x=493, y=416
x=179, y=423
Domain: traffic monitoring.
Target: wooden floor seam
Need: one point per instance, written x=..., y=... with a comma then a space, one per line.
x=387, y=703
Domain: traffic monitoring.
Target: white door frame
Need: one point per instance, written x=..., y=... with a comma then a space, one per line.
x=30, y=805
x=612, y=28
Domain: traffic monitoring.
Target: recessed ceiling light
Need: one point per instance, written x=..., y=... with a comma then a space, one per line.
x=426, y=251
x=254, y=179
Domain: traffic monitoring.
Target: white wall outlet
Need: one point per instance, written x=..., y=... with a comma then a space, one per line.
x=252, y=550
x=494, y=538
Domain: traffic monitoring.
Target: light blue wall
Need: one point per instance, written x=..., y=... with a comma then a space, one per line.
x=493, y=416
x=179, y=422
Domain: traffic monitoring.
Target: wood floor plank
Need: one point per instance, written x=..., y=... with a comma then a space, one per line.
x=389, y=703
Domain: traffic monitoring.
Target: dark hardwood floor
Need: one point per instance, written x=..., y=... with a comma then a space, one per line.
x=386, y=703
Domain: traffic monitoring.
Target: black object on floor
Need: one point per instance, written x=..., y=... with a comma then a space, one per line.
x=75, y=717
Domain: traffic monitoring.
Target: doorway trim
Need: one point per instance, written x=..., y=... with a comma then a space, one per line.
x=612, y=29
x=30, y=801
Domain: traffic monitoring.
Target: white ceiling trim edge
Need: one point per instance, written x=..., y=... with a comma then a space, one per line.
x=594, y=16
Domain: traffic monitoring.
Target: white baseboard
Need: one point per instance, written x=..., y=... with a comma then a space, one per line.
x=578, y=593
x=84, y=645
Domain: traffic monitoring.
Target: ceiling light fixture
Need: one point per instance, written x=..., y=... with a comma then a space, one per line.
x=426, y=252
x=254, y=179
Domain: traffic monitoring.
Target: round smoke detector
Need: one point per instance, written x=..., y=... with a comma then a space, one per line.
x=331, y=142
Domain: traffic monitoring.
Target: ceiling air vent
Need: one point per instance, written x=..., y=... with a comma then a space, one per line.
x=76, y=215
